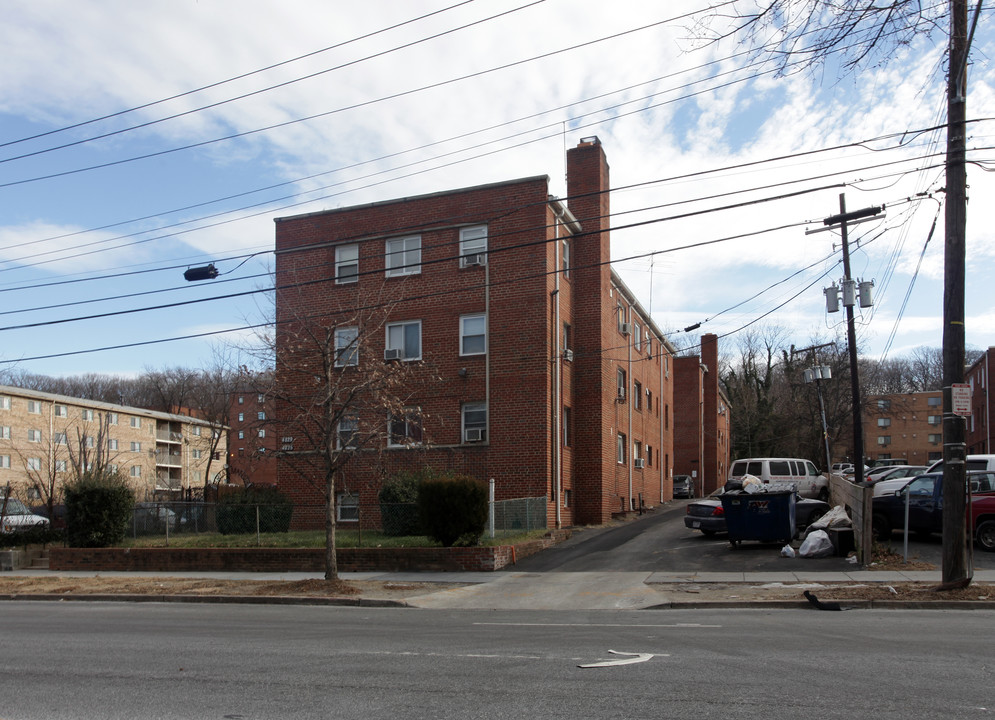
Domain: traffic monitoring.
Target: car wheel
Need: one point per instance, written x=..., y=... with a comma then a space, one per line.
x=814, y=515
x=986, y=535
x=881, y=528
x=824, y=495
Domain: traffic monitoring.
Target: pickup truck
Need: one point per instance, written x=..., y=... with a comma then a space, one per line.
x=925, y=494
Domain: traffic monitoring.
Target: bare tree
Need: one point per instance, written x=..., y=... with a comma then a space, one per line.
x=336, y=396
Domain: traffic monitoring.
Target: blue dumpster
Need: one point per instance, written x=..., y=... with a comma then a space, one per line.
x=763, y=516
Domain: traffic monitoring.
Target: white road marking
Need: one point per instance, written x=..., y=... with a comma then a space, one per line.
x=620, y=625
x=632, y=658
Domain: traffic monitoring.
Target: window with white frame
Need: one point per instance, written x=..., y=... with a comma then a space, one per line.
x=5, y=461
x=241, y=399
x=565, y=259
x=241, y=434
x=261, y=432
x=347, y=507
x=136, y=422
x=60, y=466
x=404, y=430
x=112, y=444
x=111, y=418
x=934, y=419
x=241, y=417
x=196, y=453
x=637, y=450
x=620, y=448
x=935, y=438
x=637, y=395
x=261, y=415
x=136, y=447
x=34, y=463
x=346, y=264
x=474, y=422
x=566, y=339
x=473, y=245
x=5, y=432
x=260, y=398
x=404, y=340
x=346, y=436
x=112, y=467
x=59, y=438
x=136, y=471
x=195, y=432
x=61, y=411
x=884, y=404
x=34, y=407
x=346, y=346
x=884, y=439
x=403, y=256
x=934, y=401
x=884, y=422
x=86, y=414
x=473, y=334
x=88, y=441
x=4, y=402
x=34, y=435
x=620, y=311
x=621, y=384
x=637, y=335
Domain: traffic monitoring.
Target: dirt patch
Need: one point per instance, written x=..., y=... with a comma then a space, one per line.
x=373, y=589
x=744, y=592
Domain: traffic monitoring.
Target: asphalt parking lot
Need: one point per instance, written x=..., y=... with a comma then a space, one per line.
x=659, y=542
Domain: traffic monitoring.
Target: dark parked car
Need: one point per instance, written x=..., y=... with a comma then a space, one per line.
x=708, y=516
x=925, y=500
x=683, y=486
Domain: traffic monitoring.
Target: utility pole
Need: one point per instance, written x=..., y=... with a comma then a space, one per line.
x=956, y=539
x=851, y=331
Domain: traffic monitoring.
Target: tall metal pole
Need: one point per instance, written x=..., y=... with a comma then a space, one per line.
x=956, y=539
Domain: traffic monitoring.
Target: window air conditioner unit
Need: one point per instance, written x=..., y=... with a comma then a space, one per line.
x=568, y=355
x=392, y=354
x=621, y=394
x=626, y=328
x=639, y=462
x=473, y=434
x=474, y=259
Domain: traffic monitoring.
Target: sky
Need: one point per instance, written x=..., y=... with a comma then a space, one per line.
x=140, y=139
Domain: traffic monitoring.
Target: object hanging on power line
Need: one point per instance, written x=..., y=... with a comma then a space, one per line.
x=206, y=272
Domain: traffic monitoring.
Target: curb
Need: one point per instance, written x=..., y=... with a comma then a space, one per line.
x=847, y=605
x=209, y=599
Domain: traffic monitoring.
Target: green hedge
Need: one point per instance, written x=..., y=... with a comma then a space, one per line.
x=453, y=509
x=236, y=511
x=399, y=502
x=99, y=508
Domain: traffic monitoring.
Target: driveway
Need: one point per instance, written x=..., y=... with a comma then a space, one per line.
x=659, y=542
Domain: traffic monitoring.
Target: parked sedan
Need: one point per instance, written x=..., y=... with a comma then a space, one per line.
x=17, y=516
x=708, y=516
x=683, y=486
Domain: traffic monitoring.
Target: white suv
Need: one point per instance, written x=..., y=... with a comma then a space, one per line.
x=17, y=516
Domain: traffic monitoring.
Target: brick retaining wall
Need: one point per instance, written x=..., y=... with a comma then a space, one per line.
x=296, y=559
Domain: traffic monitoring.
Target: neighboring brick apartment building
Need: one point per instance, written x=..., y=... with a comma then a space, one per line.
x=251, y=439
x=702, y=419
x=906, y=426
x=979, y=426
x=160, y=453
x=549, y=377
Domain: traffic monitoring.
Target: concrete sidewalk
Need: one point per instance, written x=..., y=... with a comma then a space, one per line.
x=589, y=590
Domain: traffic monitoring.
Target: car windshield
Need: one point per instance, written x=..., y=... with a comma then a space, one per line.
x=15, y=507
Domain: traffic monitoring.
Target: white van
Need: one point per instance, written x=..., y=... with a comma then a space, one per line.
x=795, y=471
x=974, y=462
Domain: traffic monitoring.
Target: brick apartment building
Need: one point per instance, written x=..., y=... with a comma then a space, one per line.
x=979, y=426
x=251, y=438
x=161, y=454
x=536, y=366
x=906, y=426
x=702, y=419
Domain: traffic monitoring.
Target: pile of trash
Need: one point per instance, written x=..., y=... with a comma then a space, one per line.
x=817, y=543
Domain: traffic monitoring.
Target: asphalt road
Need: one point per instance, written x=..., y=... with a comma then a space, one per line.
x=137, y=661
x=659, y=542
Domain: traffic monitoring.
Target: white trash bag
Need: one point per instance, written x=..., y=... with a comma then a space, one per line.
x=787, y=551
x=816, y=545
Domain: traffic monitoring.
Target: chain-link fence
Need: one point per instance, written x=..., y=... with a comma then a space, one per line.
x=357, y=525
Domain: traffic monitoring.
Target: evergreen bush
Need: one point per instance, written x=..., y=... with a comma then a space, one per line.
x=453, y=509
x=399, y=502
x=236, y=511
x=99, y=509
